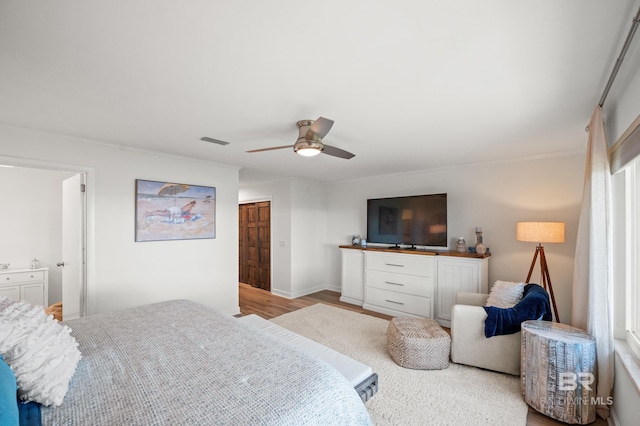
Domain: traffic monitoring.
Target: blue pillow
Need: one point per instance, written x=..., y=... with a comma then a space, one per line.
x=8, y=389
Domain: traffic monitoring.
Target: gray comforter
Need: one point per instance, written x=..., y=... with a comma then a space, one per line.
x=180, y=363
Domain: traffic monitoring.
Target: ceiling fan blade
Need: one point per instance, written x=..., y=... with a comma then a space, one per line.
x=337, y=152
x=270, y=149
x=320, y=128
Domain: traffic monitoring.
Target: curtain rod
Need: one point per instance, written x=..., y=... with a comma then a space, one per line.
x=623, y=52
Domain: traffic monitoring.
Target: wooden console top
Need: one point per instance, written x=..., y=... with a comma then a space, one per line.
x=451, y=253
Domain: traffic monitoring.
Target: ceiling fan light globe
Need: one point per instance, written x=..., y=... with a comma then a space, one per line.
x=308, y=152
x=307, y=148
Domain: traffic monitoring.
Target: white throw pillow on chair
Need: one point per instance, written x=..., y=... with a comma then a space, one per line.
x=505, y=294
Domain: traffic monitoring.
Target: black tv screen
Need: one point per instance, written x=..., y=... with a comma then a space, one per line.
x=414, y=220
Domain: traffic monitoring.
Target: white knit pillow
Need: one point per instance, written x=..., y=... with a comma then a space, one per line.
x=505, y=294
x=41, y=352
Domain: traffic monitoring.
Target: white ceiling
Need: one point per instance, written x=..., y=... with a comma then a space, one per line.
x=410, y=84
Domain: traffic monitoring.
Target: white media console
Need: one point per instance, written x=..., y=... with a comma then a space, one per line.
x=415, y=283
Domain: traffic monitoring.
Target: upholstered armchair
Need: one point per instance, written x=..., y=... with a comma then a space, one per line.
x=469, y=346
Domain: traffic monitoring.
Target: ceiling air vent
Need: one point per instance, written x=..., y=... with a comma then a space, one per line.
x=219, y=142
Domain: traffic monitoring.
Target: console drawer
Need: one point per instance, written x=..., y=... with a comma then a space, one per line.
x=415, y=305
x=21, y=277
x=419, y=265
x=409, y=284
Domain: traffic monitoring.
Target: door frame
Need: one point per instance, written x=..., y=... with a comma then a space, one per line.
x=87, y=305
x=270, y=201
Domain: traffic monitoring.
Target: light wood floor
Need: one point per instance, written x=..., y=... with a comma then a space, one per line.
x=267, y=305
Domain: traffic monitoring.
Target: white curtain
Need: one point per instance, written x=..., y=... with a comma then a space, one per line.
x=592, y=275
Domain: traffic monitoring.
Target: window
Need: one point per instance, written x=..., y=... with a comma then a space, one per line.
x=632, y=254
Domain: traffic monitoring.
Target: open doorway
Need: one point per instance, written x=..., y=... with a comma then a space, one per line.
x=254, y=259
x=33, y=227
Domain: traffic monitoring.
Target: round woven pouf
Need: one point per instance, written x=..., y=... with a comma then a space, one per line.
x=418, y=343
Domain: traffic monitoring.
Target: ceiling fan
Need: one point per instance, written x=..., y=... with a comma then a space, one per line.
x=309, y=141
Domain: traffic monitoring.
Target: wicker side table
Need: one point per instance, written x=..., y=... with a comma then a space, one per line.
x=558, y=371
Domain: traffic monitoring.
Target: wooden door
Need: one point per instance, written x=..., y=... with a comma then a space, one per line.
x=255, y=244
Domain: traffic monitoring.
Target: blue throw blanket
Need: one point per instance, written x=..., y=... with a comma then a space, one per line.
x=29, y=413
x=533, y=306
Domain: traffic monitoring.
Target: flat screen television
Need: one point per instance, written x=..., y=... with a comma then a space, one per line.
x=419, y=220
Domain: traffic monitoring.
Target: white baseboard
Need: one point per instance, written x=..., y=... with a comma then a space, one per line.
x=337, y=289
x=305, y=292
x=351, y=300
x=281, y=293
x=613, y=418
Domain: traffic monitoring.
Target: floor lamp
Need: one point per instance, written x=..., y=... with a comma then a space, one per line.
x=542, y=232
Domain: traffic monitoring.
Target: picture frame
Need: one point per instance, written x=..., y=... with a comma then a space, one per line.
x=167, y=211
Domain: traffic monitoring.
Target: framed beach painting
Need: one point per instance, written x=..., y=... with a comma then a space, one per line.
x=174, y=211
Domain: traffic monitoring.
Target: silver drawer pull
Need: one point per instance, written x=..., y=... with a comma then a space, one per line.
x=389, y=282
x=394, y=264
x=391, y=301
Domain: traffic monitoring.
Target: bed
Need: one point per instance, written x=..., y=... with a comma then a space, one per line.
x=178, y=362
x=359, y=375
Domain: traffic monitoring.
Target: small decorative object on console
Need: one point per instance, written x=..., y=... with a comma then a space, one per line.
x=480, y=248
x=35, y=264
x=355, y=240
x=461, y=247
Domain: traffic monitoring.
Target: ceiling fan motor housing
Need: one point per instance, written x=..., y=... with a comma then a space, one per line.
x=307, y=140
x=304, y=144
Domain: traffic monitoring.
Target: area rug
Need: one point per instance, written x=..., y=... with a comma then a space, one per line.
x=458, y=395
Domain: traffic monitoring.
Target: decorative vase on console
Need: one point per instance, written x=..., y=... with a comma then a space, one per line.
x=480, y=248
x=461, y=247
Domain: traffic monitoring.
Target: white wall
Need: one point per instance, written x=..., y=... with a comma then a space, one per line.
x=622, y=106
x=298, y=220
x=279, y=193
x=494, y=196
x=31, y=221
x=308, y=236
x=314, y=219
x=123, y=273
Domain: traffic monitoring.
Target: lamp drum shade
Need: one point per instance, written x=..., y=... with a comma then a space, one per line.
x=540, y=232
